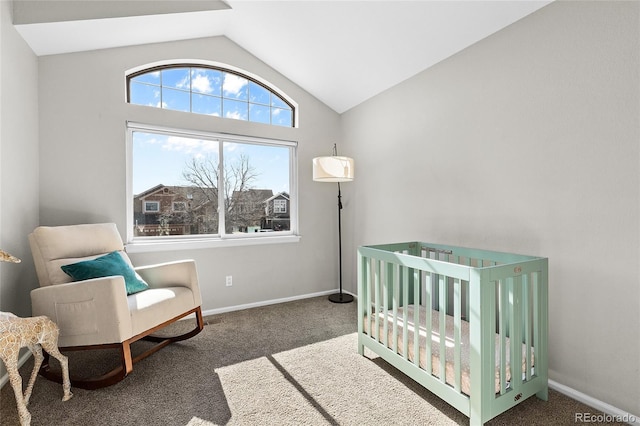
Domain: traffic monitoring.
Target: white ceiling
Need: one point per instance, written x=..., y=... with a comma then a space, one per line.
x=342, y=52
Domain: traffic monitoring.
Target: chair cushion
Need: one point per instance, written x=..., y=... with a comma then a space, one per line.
x=53, y=246
x=158, y=305
x=106, y=266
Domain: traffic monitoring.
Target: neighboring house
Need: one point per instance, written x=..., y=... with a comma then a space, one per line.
x=246, y=210
x=175, y=210
x=277, y=212
x=258, y=210
x=188, y=210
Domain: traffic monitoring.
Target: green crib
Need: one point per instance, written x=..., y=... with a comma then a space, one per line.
x=458, y=321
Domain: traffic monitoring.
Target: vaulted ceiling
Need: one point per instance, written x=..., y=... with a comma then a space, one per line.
x=342, y=52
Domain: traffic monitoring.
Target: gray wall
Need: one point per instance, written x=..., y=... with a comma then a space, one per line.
x=82, y=165
x=18, y=164
x=525, y=142
x=18, y=160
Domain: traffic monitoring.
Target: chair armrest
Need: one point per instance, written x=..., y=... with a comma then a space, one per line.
x=87, y=312
x=181, y=273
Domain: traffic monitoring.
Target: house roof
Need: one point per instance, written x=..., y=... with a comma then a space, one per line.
x=279, y=194
x=149, y=191
x=188, y=192
x=253, y=194
x=342, y=52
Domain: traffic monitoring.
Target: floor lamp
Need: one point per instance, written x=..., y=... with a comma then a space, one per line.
x=335, y=169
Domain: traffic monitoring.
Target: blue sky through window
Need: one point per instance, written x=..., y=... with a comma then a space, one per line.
x=212, y=92
x=161, y=159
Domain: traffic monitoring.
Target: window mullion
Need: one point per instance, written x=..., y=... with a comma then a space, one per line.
x=221, y=190
x=190, y=89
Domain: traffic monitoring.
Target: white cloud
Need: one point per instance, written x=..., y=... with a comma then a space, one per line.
x=189, y=145
x=201, y=83
x=233, y=114
x=148, y=138
x=184, y=83
x=233, y=84
x=230, y=146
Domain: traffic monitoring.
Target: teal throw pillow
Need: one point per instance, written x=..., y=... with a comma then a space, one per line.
x=106, y=266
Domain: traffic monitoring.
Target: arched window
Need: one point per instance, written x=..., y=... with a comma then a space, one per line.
x=210, y=90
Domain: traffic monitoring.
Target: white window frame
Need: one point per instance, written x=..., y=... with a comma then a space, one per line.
x=148, y=244
x=283, y=206
x=145, y=210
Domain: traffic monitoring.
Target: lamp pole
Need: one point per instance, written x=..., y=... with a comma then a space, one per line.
x=340, y=297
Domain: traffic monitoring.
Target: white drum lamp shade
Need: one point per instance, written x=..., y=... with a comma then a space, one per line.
x=333, y=169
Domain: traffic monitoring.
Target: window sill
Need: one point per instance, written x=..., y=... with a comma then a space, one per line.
x=206, y=243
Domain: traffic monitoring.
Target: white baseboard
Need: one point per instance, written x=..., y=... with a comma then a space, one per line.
x=615, y=413
x=268, y=302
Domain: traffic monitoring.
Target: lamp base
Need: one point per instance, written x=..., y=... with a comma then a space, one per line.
x=341, y=298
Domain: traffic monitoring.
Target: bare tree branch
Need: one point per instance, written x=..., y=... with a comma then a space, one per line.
x=238, y=178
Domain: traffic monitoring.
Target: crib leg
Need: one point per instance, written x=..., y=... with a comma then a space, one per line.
x=544, y=394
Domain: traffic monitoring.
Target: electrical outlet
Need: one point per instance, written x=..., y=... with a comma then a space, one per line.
x=229, y=281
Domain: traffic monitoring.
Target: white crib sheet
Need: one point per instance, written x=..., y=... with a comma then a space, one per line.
x=465, y=385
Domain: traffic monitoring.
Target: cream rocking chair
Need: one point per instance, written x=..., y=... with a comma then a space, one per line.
x=98, y=313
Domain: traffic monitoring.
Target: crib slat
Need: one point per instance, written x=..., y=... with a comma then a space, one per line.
x=465, y=294
x=516, y=333
x=428, y=326
x=511, y=316
x=362, y=284
x=393, y=279
x=490, y=353
x=536, y=316
x=416, y=317
x=442, y=288
x=537, y=320
x=502, y=327
x=526, y=305
x=368, y=284
x=376, y=297
x=457, y=332
x=385, y=306
x=405, y=312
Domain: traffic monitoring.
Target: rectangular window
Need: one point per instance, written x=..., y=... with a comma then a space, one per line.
x=151, y=206
x=227, y=181
x=279, y=206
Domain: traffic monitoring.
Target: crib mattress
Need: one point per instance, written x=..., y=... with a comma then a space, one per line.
x=434, y=335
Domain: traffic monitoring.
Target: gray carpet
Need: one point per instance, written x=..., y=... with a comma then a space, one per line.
x=290, y=364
